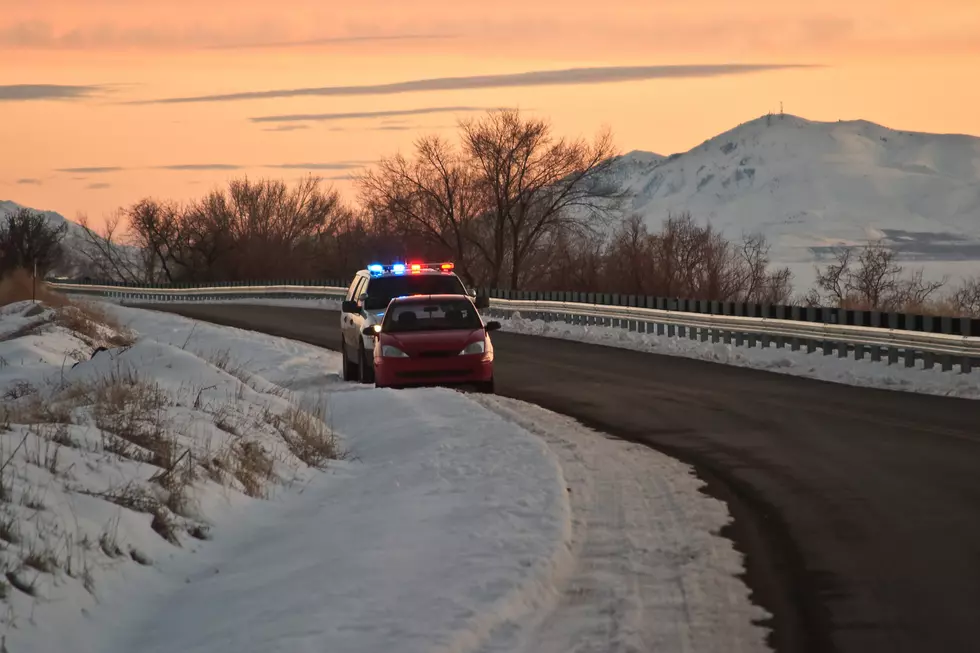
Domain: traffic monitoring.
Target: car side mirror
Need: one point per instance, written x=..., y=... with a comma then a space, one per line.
x=481, y=302
x=471, y=292
x=372, y=330
x=350, y=306
x=493, y=325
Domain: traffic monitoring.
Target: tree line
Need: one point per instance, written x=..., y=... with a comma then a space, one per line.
x=511, y=203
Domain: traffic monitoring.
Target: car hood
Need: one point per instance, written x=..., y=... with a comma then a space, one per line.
x=420, y=342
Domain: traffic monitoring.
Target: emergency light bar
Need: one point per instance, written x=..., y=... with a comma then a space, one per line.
x=413, y=268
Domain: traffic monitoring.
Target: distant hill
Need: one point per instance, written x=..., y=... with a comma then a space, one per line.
x=809, y=186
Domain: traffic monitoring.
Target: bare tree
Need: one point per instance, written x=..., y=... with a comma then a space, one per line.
x=432, y=198
x=833, y=280
x=874, y=281
x=253, y=231
x=966, y=298
x=27, y=240
x=533, y=186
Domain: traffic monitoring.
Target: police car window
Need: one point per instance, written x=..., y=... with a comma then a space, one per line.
x=381, y=290
x=352, y=291
x=440, y=315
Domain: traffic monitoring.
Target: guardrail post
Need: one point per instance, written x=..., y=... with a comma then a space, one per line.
x=909, y=358
x=966, y=365
x=811, y=346
x=928, y=360
x=794, y=344
x=842, y=350
x=704, y=334
x=859, y=352
x=828, y=348
x=671, y=330
x=947, y=362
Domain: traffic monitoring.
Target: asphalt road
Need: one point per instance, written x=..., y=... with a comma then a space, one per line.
x=858, y=509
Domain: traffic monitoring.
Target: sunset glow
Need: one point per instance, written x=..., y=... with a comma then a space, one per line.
x=84, y=130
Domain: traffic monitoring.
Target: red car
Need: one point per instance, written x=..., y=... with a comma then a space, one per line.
x=433, y=340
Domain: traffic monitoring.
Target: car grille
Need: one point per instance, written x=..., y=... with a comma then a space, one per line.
x=432, y=374
x=437, y=353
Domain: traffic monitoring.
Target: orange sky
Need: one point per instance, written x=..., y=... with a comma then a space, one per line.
x=905, y=64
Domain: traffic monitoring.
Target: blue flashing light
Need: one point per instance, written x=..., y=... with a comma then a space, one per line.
x=376, y=268
x=398, y=268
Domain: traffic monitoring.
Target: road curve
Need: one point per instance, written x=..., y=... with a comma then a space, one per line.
x=858, y=509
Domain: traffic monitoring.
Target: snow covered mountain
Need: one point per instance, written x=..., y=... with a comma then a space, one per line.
x=811, y=185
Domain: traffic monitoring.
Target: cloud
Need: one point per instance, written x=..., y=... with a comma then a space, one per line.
x=361, y=115
x=26, y=92
x=334, y=40
x=93, y=170
x=285, y=128
x=39, y=34
x=200, y=166
x=572, y=76
x=340, y=165
x=29, y=182
x=98, y=186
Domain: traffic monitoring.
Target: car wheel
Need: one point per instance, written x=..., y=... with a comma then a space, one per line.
x=366, y=371
x=487, y=387
x=350, y=370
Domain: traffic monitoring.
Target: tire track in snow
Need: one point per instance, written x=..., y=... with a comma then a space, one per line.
x=649, y=571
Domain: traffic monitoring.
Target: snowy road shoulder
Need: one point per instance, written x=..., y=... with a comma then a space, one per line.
x=457, y=524
x=865, y=373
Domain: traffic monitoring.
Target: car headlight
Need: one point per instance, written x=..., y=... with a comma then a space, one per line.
x=388, y=351
x=478, y=347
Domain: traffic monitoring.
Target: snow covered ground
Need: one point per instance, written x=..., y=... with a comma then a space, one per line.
x=783, y=361
x=454, y=524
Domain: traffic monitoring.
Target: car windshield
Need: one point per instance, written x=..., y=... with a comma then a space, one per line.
x=382, y=290
x=431, y=315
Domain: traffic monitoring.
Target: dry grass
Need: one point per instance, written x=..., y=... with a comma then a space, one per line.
x=17, y=286
x=307, y=435
x=91, y=323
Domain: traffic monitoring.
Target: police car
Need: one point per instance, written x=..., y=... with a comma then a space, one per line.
x=368, y=297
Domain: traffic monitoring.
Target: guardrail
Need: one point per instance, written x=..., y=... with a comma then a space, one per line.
x=948, y=350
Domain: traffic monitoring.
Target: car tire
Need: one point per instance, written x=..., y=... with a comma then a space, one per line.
x=487, y=387
x=349, y=369
x=365, y=371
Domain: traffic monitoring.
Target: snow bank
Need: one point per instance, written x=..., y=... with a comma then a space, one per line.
x=114, y=459
x=783, y=361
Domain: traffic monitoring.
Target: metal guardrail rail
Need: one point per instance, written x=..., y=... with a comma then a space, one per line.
x=948, y=350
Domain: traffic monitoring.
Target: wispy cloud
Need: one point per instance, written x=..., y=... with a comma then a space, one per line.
x=340, y=165
x=334, y=40
x=27, y=92
x=38, y=34
x=98, y=186
x=366, y=115
x=572, y=76
x=200, y=166
x=91, y=170
x=29, y=182
x=285, y=128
